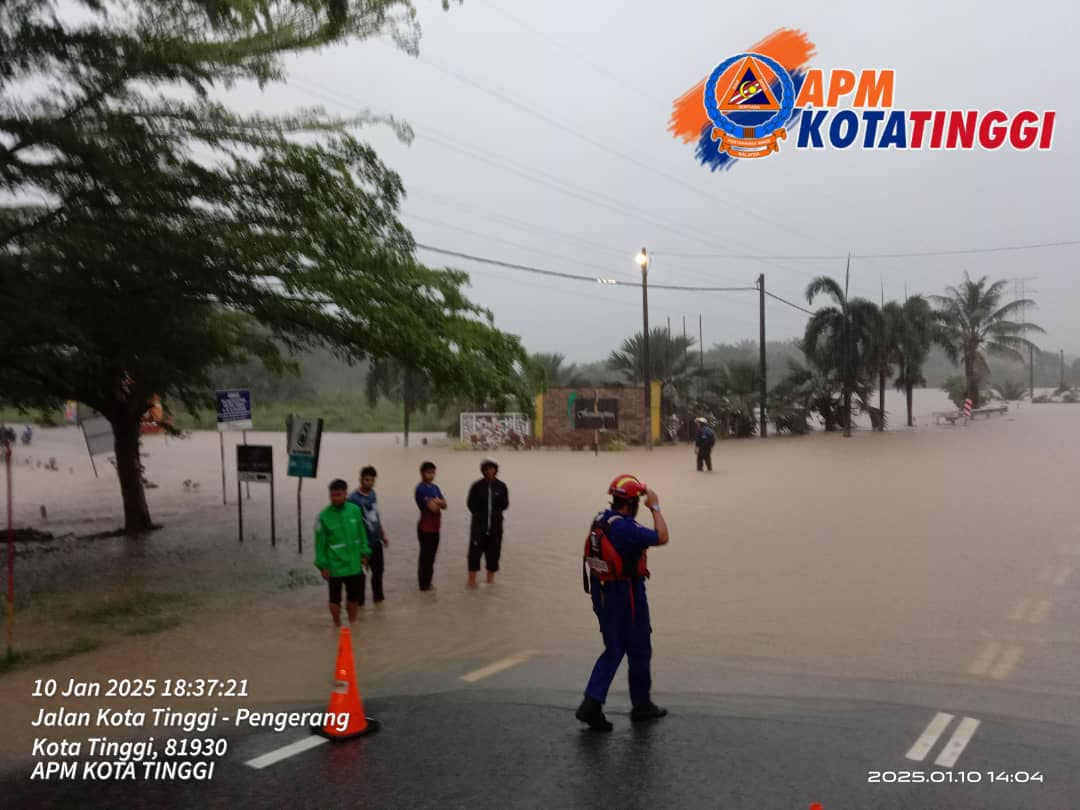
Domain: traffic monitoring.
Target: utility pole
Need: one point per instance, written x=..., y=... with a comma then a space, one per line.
x=846, y=354
x=764, y=383
x=1062, y=368
x=701, y=345
x=643, y=261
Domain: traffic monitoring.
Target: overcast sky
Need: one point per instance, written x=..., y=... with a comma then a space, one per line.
x=594, y=78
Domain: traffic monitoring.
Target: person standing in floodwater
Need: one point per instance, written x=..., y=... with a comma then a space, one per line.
x=341, y=551
x=614, y=574
x=488, y=499
x=365, y=498
x=704, y=440
x=431, y=503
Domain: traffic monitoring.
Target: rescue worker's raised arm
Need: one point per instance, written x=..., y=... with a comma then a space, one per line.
x=652, y=503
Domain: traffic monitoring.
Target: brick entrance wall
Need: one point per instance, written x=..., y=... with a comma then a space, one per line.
x=557, y=424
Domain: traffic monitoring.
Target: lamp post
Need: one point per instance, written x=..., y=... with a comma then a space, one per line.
x=643, y=260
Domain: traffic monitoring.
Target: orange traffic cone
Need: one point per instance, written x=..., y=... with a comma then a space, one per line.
x=345, y=697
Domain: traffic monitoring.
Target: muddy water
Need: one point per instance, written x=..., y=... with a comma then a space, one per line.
x=884, y=557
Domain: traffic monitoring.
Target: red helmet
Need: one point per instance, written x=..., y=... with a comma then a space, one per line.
x=626, y=486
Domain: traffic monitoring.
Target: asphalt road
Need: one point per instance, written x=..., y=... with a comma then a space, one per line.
x=493, y=744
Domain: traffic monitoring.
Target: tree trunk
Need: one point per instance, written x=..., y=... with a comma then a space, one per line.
x=129, y=469
x=972, y=382
x=881, y=398
x=406, y=403
x=910, y=389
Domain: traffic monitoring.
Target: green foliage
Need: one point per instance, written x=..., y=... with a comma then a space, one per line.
x=973, y=324
x=150, y=235
x=669, y=359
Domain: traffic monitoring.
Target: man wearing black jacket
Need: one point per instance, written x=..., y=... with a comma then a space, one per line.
x=488, y=499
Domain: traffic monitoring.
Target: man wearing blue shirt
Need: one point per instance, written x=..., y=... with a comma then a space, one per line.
x=431, y=503
x=617, y=567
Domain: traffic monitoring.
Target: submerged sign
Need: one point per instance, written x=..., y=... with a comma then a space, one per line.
x=753, y=100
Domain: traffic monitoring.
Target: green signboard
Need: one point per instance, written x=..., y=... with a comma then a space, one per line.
x=304, y=440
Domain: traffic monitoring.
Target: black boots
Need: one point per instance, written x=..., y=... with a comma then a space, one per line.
x=646, y=711
x=592, y=712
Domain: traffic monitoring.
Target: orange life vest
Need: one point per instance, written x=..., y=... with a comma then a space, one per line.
x=603, y=560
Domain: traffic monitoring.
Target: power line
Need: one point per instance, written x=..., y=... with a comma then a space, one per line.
x=785, y=301
x=914, y=254
x=540, y=177
x=573, y=276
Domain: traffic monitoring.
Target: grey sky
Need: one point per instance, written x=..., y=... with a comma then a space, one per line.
x=963, y=55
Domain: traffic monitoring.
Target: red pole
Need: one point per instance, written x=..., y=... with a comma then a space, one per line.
x=10, y=557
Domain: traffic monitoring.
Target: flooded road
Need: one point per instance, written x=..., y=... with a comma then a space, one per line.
x=856, y=588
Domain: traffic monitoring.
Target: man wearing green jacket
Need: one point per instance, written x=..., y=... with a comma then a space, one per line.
x=341, y=551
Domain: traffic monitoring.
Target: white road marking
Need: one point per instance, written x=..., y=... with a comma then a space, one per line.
x=1021, y=609
x=286, y=751
x=1007, y=662
x=1046, y=574
x=1063, y=575
x=1039, y=611
x=956, y=745
x=929, y=737
x=498, y=666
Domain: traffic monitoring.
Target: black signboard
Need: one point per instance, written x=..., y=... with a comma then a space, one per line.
x=596, y=414
x=255, y=462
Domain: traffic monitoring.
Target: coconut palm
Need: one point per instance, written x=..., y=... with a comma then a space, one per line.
x=913, y=336
x=974, y=323
x=668, y=358
x=841, y=337
x=547, y=371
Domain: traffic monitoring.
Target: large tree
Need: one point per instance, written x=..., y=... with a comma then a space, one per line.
x=399, y=383
x=148, y=233
x=974, y=323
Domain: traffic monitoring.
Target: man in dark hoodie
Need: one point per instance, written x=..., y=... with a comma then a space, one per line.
x=488, y=499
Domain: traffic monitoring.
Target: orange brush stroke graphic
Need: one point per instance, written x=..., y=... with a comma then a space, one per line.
x=788, y=46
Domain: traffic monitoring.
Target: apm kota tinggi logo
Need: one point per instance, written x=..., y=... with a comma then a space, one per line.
x=752, y=101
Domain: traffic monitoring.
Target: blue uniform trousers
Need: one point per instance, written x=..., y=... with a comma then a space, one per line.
x=624, y=624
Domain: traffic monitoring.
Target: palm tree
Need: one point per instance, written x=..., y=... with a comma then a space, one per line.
x=974, y=323
x=913, y=337
x=882, y=349
x=841, y=337
x=547, y=371
x=668, y=357
x=399, y=383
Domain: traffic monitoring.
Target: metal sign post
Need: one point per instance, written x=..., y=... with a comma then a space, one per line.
x=11, y=554
x=255, y=462
x=303, y=443
x=233, y=413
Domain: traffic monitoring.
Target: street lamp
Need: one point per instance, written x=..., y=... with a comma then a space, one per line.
x=643, y=261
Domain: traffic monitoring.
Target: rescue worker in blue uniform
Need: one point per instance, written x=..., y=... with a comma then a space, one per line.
x=614, y=573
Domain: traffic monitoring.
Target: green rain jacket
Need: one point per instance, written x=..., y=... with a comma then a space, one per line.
x=341, y=540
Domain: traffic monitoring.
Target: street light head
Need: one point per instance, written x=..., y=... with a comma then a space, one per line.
x=642, y=259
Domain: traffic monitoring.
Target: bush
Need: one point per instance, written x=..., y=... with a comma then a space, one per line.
x=615, y=445
x=463, y=446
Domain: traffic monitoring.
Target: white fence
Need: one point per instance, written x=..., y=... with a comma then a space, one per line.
x=487, y=431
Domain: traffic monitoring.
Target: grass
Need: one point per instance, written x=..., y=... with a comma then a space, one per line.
x=157, y=624
x=298, y=578
x=139, y=605
x=341, y=413
x=15, y=659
